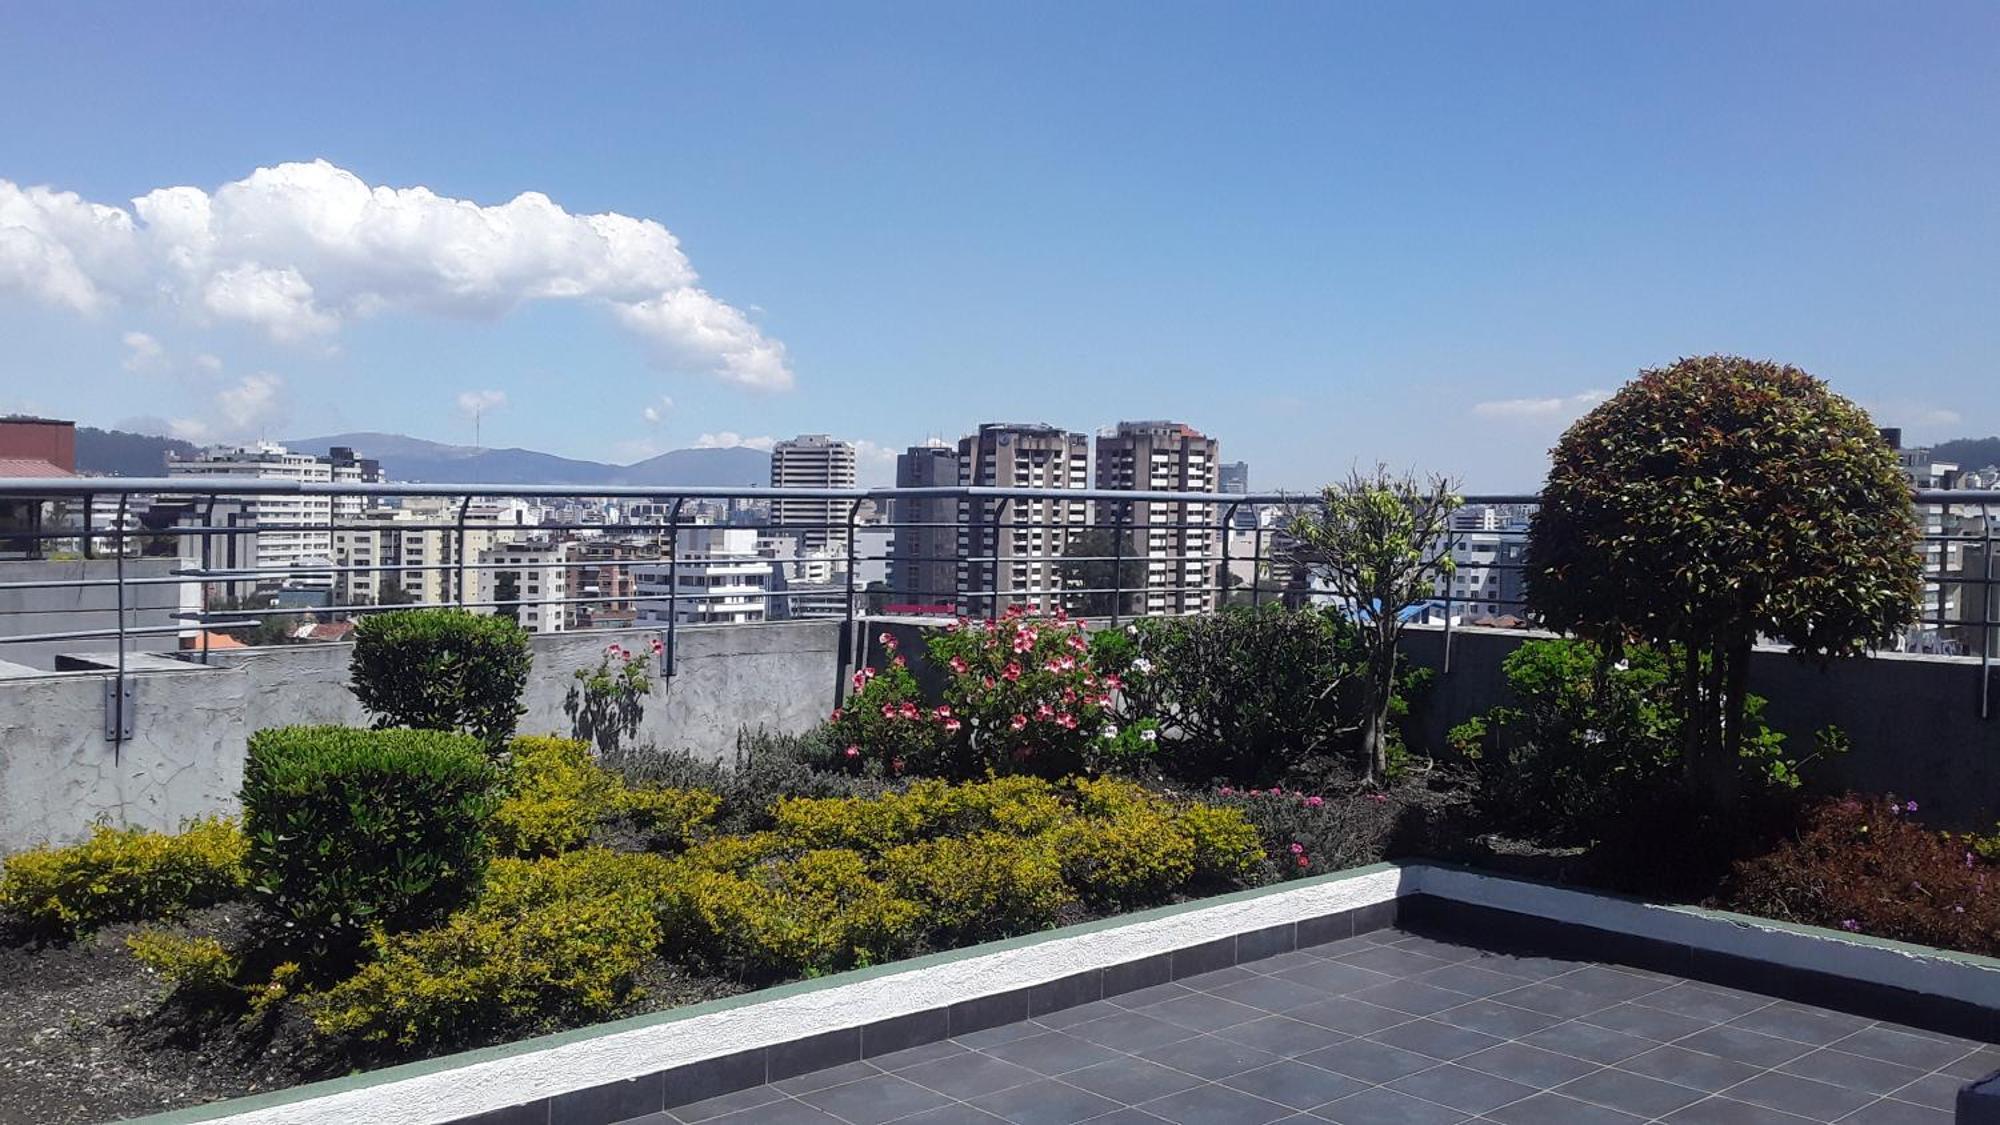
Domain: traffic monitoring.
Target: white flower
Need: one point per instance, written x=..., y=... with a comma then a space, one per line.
x=1148, y=735
x=1132, y=630
x=1142, y=666
x=1111, y=730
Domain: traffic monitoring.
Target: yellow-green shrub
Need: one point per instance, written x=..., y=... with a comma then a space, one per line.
x=123, y=875
x=1128, y=849
x=1023, y=805
x=555, y=941
x=195, y=965
x=983, y=886
x=557, y=793
x=818, y=912
x=1227, y=847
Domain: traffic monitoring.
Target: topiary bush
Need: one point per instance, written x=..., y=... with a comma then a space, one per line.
x=1863, y=864
x=123, y=875
x=551, y=942
x=353, y=830
x=441, y=669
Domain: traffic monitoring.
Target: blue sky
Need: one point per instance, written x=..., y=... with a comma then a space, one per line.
x=1323, y=233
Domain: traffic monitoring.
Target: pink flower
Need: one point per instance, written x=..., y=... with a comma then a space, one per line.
x=1011, y=673
x=1044, y=712
x=896, y=765
x=990, y=683
x=900, y=662
x=888, y=710
x=888, y=639
x=1850, y=925
x=837, y=713
x=1018, y=722
x=1379, y=798
x=959, y=665
x=1113, y=683
x=951, y=726
x=659, y=646
x=853, y=751
x=859, y=681
x=1315, y=802
x=908, y=710
x=1910, y=807
x=1077, y=643
x=1069, y=695
x=943, y=711
x=1298, y=849
x=1066, y=721
x=869, y=671
x=1304, y=862
x=1024, y=641
x=1226, y=791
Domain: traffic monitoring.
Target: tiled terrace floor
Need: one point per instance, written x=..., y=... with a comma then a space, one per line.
x=1391, y=1028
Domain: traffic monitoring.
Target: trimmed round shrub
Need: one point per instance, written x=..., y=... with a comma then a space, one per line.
x=442, y=669
x=123, y=875
x=355, y=830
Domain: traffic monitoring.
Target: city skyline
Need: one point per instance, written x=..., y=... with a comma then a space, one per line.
x=1429, y=237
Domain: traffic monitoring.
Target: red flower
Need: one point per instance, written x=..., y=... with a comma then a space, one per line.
x=1018, y=722
x=835, y=717
x=959, y=665
x=853, y=751
x=1011, y=673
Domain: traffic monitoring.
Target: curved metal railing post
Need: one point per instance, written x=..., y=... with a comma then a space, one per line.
x=673, y=587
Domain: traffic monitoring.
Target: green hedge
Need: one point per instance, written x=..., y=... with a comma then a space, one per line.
x=352, y=830
x=122, y=875
x=442, y=669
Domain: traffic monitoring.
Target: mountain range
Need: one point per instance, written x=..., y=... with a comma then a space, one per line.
x=124, y=454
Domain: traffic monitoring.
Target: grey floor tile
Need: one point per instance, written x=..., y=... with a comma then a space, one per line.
x=1728, y=1111
x=1530, y=1066
x=1589, y=1041
x=1410, y=996
x=1126, y=1116
x=1341, y=948
x=1787, y=1020
x=1047, y=1102
x=785, y=1111
x=1744, y=1045
x=1703, y=1003
x=1151, y=994
x=1132, y=1031
x=1551, y=998
x=726, y=1103
x=1004, y=1033
x=1131, y=1080
x=913, y=1056
x=1649, y=1023
x=1295, y=1084
x=1938, y=1091
x=1554, y=1109
x=1439, y=1040
x=1215, y=1105
x=830, y=1076
x=1370, y=1062
x=1631, y=1093
x=1355, y=1017
x=1820, y=1101
x=968, y=1075
x=1495, y=1018
x=1270, y=994
x=1052, y=1053
x=1469, y=979
x=1889, y=1111
x=1209, y=1056
x=1888, y=1044
x=872, y=1101
x=1079, y=1013
x=1462, y=1088
x=954, y=1113
x=1613, y=983
x=1707, y=1073
x=1524, y=966
x=1216, y=978
x=1396, y=962
x=1441, y=949
x=1387, y=1107
x=1336, y=977
x=1978, y=1064
x=1856, y=1072
x=1204, y=1012
x=1279, y=962
x=1282, y=1035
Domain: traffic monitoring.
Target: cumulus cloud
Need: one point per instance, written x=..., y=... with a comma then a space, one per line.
x=1534, y=408
x=730, y=439
x=874, y=463
x=249, y=408
x=299, y=250
x=652, y=413
x=142, y=352
x=472, y=404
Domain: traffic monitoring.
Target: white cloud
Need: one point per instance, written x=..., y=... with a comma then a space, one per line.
x=729, y=439
x=474, y=403
x=208, y=363
x=652, y=414
x=1532, y=408
x=299, y=250
x=141, y=351
x=252, y=407
x=874, y=463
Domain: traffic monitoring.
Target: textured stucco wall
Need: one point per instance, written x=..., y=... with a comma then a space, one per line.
x=58, y=774
x=1914, y=719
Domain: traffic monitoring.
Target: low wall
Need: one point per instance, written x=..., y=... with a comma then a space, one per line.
x=58, y=774
x=1914, y=720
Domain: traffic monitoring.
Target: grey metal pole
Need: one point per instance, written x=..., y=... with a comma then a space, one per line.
x=1988, y=633
x=673, y=585
x=458, y=553
x=1123, y=523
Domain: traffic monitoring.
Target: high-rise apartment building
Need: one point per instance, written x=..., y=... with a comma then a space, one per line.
x=720, y=580
x=1233, y=477
x=923, y=551
x=289, y=535
x=1012, y=556
x=813, y=461
x=1175, y=541
x=532, y=575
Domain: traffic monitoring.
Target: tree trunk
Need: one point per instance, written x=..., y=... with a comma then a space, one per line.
x=1375, y=712
x=1735, y=699
x=1691, y=718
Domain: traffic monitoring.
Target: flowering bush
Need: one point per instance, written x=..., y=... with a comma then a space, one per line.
x=1309, y=834
x=1863, y=864
x=606, y=704
x=1021, y=695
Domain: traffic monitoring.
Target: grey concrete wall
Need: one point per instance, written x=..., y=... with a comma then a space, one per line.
x=58, y=774
x=1914, y=720
x=76, y=608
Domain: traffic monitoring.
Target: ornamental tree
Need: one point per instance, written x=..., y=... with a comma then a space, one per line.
x=1711, y=503
x=1378, y=545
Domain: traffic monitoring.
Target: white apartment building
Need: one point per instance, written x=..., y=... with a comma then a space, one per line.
x=287, y=533
x=720, y=580
x=1015, y=558
x=539, y=574
x=813, y=461
x=1486, y=550
x=1177, y=541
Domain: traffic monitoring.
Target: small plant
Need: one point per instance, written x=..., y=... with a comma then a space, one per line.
x=1302, y=833
x=557, y=796
x=606, y=704
x=354, y=830
x=442, y=669
x=123, y=875
x=763, y=915
x=194, y=967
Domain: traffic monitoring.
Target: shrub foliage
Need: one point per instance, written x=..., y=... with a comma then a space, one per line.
x=123, y=875
x=557, y=795
x=441, y=669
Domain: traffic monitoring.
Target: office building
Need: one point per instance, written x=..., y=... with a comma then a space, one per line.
x=813, y=461
x=923, y=547
x=1175, y=543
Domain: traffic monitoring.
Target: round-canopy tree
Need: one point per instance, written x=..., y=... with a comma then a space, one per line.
x=1713, y=502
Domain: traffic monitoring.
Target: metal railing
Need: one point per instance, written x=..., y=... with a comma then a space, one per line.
x=1130, y=554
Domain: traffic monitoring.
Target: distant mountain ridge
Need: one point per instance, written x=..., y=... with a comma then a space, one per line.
x=414, y=459
x=1969, y=453
x=121, y=453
